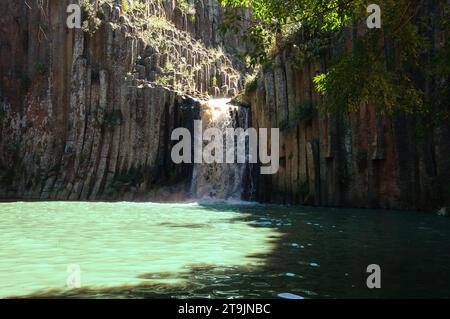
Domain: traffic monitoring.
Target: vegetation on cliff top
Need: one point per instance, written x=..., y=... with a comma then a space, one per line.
x=399, y=67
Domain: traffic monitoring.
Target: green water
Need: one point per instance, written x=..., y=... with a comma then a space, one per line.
x=129, y=250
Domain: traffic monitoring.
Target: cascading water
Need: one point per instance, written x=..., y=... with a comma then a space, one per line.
x=220, y=181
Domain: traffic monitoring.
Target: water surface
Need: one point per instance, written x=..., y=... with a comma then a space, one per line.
x=131, y=250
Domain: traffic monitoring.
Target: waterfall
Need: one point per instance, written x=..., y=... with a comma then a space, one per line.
x=221, y=181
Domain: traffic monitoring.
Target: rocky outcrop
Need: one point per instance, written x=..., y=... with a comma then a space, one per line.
x=202, y=20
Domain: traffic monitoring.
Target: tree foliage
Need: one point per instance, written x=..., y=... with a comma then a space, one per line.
x=404, y=65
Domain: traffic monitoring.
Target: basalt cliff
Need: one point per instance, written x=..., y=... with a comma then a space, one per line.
x=87, y=114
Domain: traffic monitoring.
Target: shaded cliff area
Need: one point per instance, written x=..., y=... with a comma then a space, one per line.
x=363, y=158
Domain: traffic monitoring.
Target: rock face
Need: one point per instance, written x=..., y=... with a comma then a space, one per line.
x=89, y=116
x=361, y=159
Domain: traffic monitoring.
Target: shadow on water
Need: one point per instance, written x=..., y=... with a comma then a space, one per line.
x=320, y=253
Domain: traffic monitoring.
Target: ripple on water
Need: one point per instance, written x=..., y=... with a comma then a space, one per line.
x=118, y=244
x=131, y=250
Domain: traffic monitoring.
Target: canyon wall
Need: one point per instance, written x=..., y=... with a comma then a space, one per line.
x=87, y=115
x=360, y=159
